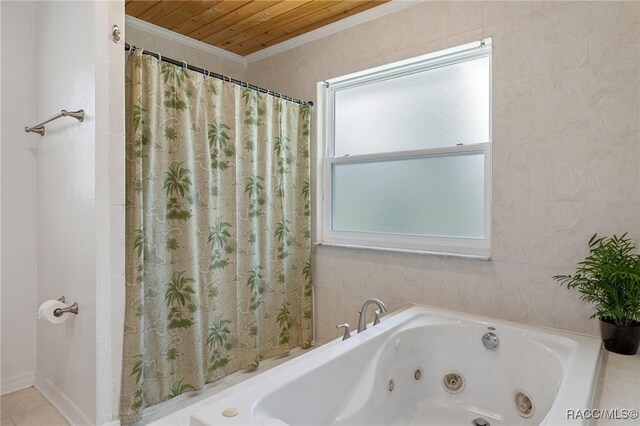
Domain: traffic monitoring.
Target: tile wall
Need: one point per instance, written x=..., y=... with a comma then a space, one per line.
x=566, y=153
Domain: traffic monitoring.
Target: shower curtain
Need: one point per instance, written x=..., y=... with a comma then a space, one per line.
x=218, y=231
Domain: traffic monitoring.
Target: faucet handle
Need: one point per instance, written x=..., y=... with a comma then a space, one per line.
x=376, y=319
x=347, y=333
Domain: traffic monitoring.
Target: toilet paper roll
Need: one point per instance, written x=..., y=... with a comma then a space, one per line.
x=45, y=312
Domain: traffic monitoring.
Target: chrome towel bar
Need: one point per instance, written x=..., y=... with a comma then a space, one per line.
x=39, y=128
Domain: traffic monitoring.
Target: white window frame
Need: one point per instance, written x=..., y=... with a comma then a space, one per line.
x=452, y=246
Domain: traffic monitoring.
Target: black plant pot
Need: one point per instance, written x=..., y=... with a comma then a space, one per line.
x=620, y=340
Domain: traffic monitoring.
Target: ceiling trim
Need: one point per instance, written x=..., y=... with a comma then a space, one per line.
x=341, y=25
x=179, y=38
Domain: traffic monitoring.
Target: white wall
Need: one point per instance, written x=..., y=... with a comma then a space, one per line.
x=18, y=190
x=70, y=183
x=66, y=175
x=80, y=206
x=114, y=176
x=566, y=153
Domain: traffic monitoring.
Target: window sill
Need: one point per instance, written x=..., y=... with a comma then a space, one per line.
x=408, y=251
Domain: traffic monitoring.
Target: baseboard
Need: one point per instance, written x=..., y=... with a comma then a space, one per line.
x=61, y=402
x=16, y=383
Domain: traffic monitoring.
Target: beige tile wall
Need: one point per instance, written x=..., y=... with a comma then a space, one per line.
x=566, y=153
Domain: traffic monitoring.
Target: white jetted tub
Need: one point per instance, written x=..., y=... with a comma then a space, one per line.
x=422, y=366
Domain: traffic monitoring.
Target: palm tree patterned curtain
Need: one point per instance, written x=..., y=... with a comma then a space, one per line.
x=218, y=230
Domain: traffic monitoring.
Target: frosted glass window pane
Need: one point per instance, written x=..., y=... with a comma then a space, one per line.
x=436, y=196
x=434, y=108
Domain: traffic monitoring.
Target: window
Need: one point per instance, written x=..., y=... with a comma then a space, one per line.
x=405, y=154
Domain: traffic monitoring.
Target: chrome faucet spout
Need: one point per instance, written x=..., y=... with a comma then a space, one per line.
x=362, y=322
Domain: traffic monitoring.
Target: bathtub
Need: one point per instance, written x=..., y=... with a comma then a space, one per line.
x=422, y=366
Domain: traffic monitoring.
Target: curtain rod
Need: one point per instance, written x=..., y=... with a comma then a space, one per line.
x=129, y=48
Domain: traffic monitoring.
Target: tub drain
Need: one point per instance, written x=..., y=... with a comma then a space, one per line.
x=479, y=422
x=523, y=403
x=453, y=382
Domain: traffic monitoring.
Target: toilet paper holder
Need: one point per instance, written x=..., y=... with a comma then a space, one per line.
x=73, y=309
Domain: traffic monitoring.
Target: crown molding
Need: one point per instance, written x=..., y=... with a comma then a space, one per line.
x=184, y=40
x=341, y=25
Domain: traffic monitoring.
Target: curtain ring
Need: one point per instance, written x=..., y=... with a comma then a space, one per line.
x=131, y=48
x=184, y=65
x=159, y=57
x=141, y=51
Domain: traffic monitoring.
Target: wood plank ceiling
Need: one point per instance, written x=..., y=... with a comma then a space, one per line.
x=244, y=27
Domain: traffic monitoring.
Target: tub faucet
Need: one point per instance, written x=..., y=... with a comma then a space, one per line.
x=347, y=333
x=362, y=322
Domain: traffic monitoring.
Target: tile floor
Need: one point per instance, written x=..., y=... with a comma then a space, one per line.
x=27, y=407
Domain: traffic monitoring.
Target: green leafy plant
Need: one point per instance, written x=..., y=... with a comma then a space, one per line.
x=609, y=278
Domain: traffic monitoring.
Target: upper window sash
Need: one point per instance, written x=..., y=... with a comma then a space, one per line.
x=456, y=82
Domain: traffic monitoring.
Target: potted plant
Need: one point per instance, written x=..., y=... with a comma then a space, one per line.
x=610, y=279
